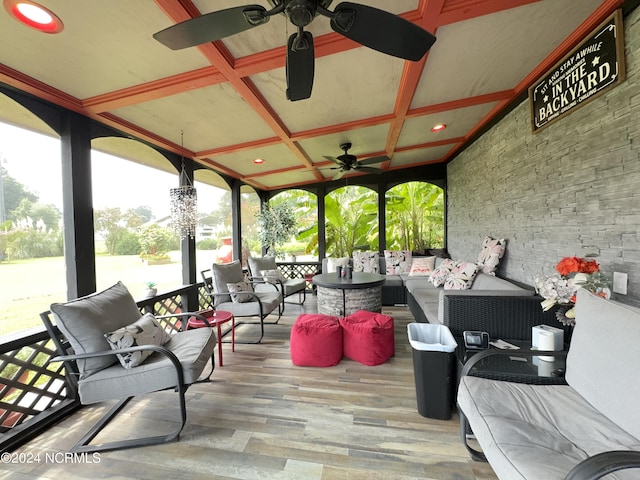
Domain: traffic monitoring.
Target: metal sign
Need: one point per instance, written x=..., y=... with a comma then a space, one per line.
x=589, y=70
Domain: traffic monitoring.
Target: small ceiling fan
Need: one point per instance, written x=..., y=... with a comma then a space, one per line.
x=347, y=162
x=371, y=27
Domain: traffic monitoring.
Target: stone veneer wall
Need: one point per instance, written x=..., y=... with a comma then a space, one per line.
x=575, y=183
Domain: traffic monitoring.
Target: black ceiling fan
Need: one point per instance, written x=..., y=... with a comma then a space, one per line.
x=347, y=162
x=371, y=27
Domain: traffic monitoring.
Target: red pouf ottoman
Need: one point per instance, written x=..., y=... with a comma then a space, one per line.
x=368, y=337
x=316, y=341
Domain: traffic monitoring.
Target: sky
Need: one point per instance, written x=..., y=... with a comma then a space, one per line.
x=34, y=160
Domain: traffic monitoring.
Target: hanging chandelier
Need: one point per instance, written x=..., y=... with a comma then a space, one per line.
x=184, y=206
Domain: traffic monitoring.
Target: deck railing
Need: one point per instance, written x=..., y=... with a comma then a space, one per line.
x=34, y=393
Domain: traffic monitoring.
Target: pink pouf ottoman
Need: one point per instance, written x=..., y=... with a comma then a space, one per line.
x=316, y=341
x=368, y=337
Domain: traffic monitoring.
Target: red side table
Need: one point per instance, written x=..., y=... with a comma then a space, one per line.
x=215, y=319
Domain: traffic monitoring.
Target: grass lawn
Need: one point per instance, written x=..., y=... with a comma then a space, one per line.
x=28, y=287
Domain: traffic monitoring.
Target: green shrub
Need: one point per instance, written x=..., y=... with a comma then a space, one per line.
x=129, y=244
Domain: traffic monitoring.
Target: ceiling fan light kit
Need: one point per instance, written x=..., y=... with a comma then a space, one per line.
x=373, y=28
x=347, y=162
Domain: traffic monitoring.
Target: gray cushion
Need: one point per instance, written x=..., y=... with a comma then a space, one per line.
x=294, y=285
x=270, y=301
x=194, y=348
x=85, y=320
x=256, y=265
x=223, y=273
x=603, y=356
x=537, y=431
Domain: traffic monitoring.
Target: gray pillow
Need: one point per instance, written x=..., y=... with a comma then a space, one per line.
x=223, y=273
x=85, y=320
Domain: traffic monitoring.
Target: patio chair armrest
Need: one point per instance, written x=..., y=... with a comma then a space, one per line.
x=603, y=464
x=156, y=348
x=261, y=281
x=186, y=314
x=243, y=292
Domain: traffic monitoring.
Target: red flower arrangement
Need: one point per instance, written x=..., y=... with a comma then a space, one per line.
x=575, y=272
x=570, y=265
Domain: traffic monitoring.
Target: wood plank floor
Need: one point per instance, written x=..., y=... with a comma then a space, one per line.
x=264, y=418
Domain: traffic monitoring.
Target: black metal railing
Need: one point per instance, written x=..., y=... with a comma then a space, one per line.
x=35, y=393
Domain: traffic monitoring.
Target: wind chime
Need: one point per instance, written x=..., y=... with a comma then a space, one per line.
x=184, y=204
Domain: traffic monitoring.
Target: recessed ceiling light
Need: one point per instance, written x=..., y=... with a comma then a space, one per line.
x=439, y=127
x=258, y=161
x=33, y=15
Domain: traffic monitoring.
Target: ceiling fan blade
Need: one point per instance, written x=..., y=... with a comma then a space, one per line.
x=370, y=170
x=300, y=66
x=333, y=159
x=212, y=26
x=369, y=161
x=338, y=175
x=381, y=31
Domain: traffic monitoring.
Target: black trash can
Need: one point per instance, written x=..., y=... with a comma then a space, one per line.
x=433, y=368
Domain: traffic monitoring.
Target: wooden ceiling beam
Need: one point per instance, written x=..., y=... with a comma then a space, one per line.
x=164, y=87
x=429, y=11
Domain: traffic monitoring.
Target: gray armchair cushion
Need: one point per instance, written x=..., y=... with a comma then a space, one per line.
x=256, y=265
x=223, y=273
x=193, y=348
x=85, y=320
x=270, y=301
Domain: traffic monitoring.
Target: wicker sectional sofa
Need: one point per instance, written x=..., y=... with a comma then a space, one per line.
x=492, y=304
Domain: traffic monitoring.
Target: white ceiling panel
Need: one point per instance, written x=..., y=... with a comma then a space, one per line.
x=417, y=130
x=495, y=52
x=341, y=93
x=210, y=117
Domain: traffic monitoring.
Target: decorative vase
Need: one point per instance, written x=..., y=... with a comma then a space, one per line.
x=150, y=292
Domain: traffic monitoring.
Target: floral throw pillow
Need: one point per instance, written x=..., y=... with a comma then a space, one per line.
x=397, y=261
x=368, y=262
x=422, y=266
x=440, y=273
x=490, y=255
x=461, y=276
x=237, y=292
x=272, y=276
x=144, y=331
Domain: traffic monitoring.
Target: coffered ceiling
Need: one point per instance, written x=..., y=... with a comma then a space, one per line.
x=228, y=97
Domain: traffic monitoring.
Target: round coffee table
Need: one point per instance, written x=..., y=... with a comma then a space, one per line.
x=341, y=296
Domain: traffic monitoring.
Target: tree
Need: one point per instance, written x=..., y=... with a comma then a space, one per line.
x=110, y=224
x=415, y=216
x=277, y=225
x=351, y=222
x=49, y=214
x=155, y=241
x=13, y=192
